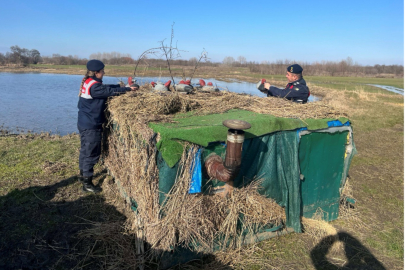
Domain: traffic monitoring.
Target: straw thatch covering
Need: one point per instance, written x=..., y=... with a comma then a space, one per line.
x=186, y=219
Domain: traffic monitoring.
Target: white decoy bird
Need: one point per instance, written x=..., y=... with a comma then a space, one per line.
x=208, y=87
x=160, y=86
x=184, y=86
x=200, y=84
x=131, y=82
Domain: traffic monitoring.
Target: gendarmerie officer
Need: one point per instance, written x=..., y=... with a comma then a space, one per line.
x=92, y=103
x=295, y=90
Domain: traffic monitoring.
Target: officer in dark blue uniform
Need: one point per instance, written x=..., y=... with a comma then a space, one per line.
x=92, y=103
x=295, y=90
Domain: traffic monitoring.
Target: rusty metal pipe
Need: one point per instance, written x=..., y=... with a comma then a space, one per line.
x=234, y=144
x=227, y=170
x=216, y=169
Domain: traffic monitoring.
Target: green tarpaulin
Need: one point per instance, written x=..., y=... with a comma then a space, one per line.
x=303, y=163
x=202, y=130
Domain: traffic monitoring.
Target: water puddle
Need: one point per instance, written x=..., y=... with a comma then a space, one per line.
x=389, y=88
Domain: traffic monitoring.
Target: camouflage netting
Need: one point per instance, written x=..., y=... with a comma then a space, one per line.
x=185, y=219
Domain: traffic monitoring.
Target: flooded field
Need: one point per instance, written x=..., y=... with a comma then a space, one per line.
x=390, y=88
x=42, y=102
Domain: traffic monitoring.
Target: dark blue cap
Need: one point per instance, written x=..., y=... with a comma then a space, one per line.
x=95, y=65
x=296, y=69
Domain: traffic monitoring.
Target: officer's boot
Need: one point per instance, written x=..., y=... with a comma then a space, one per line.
x=88, y=185
x=81, y=178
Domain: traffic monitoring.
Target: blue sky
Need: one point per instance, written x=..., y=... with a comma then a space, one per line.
x=370, y=32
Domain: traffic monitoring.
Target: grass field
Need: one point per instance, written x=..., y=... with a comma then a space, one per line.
x=47, y=222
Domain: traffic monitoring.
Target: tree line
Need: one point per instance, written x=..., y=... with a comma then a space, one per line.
x=346, y=67
x=20, y=56
x=343, y=68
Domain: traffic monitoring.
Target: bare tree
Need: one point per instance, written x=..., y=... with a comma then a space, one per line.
x=34, y=56
x=193, y=60
x=241, y=60
x=19, y=55
x=228, y=61
x=2, y=59
x=144, y=56
x=204, y=57
x=170, y=53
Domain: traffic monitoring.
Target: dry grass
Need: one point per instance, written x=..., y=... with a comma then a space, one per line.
x=113, y=246
x=184, y=219
x=319, y=229
x=145, y=106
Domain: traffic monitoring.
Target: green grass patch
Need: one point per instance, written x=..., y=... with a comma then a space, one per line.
x=377, y=116
x=369, y=161
x=59, y=66
x=391, y=242
x=353, y=81
x=24, y=159
x=369, y=190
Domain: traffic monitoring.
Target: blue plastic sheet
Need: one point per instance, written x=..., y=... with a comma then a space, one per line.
x=337, y=123
x=195, y=185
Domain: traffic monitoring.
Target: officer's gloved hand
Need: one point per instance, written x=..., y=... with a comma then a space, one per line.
x=135, y=85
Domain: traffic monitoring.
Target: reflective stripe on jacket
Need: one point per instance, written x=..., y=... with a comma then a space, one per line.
x=86, y=88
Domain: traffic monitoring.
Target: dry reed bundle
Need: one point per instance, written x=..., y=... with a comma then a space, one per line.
x=345, y=208
x=185, y=219
x=319, y=229
x=139, y=108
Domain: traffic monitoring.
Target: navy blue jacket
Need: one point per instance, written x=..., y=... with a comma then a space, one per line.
x=91, y=111
x=296, y=91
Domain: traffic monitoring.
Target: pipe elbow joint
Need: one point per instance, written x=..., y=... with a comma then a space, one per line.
x=216, y=169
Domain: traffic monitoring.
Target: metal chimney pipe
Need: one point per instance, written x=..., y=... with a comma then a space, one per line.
x=226, y=171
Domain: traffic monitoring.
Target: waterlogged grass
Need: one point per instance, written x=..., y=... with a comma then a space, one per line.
x=350, y=82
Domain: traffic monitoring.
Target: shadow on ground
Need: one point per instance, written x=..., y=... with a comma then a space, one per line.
x=37, y=232
x=358, y=256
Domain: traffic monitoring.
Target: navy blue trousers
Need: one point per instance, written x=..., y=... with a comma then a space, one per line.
x=90, y=149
